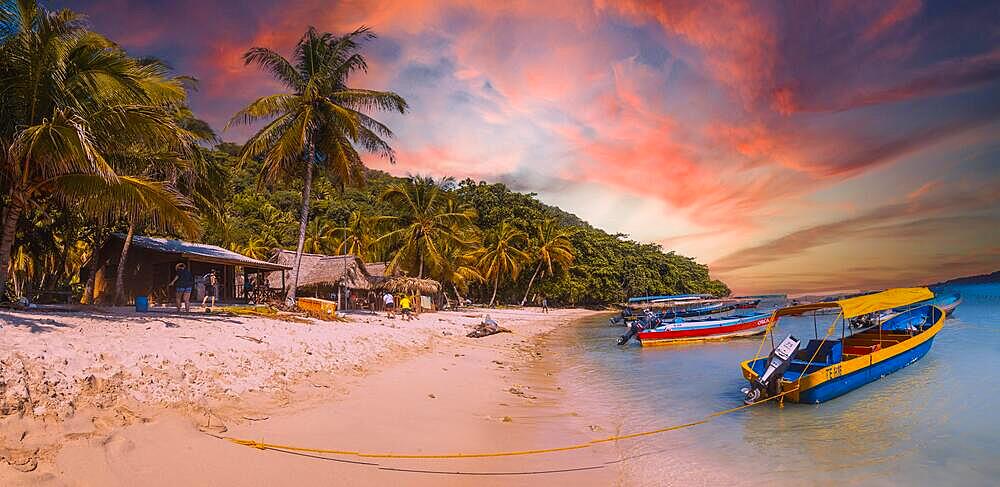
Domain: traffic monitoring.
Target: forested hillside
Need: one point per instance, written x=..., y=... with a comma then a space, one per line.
x=606, y=268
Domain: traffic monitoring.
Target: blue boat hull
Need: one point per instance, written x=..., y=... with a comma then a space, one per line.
x=847, y=383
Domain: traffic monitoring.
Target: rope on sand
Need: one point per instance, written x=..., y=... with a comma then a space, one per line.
x=260, y=445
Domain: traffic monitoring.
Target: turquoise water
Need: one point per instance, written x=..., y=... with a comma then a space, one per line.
x=936, y=422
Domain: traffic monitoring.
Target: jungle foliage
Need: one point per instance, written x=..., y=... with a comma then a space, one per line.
x=605, y=268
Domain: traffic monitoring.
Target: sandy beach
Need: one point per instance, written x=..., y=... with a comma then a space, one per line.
x=119, y=398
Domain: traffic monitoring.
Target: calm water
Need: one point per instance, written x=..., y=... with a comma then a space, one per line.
x=936, y=422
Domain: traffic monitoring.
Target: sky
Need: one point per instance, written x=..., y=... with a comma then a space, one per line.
x=798, y=146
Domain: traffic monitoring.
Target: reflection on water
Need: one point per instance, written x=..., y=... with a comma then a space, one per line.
x=934, y=422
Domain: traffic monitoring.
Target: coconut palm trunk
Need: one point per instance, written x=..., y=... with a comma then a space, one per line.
x=304, y=220
x=120, y=274
x=496, y=285
x=13, y=213
x=530, y=282
x=457, y=294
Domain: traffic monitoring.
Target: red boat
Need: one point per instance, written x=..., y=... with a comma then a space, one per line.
x=705, y=329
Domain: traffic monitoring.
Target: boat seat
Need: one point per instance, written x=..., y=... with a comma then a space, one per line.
x=826, y=352
x=862, y=349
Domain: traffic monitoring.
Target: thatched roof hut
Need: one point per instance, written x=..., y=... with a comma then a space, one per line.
x=325, y=274
x=327, y=270
x=378, y=268
x=408, y=285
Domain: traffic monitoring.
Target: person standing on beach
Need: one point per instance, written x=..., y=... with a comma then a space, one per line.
x=184, y=283
x=404, y=305
x=545, y=304
x=390, y=305
x=211, y=289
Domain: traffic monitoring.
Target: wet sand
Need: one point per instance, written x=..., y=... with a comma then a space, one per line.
x=438, y=393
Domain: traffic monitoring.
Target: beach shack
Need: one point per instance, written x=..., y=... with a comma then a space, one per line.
x=343, y=279
x=149, y=268
x=351, y=283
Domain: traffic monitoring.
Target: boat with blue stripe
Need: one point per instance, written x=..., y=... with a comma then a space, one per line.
x=947, y=302
x=828, y=367
x=669, y=297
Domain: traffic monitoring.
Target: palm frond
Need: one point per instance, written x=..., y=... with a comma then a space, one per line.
x=131, y=198
x=276, y=64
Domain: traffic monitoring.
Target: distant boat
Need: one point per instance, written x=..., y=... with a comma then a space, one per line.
x=667, y=332
x=702, y=310
x=947, y=302
x=748, y=304
x=829, y=367
x=666, y=298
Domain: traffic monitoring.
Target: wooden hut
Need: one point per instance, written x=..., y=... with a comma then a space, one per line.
x=149, y=268
x=341, y=278
x=350, y=282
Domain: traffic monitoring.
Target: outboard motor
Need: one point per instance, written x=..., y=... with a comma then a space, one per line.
x=635, y=327
x=767, y=384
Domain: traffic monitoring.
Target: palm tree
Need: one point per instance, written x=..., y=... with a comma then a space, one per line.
x=319, y=238
x=503, y=255
x=355, y=237
x=196, y=176
x=459, y=267
x=320, y=121
x=428, y=221
x=551, y=248
x=75, y=107
x=258, y=248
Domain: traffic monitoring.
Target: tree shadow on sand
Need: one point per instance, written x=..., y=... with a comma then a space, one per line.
x=42, y=321
x=34, y=323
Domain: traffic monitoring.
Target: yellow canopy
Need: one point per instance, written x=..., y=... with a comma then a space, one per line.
x=862, y=305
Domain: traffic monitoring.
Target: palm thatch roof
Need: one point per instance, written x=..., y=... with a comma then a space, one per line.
x=408, y=285
x=376, y=268
x=327, y=270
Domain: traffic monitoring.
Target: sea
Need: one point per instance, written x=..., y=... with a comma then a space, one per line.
x=935, y=422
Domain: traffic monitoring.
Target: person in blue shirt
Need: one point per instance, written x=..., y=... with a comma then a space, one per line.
x=184, y=284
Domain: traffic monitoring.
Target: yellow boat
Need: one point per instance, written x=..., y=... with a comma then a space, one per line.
x=830, y=366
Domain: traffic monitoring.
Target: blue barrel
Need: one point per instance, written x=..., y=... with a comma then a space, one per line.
x=141, y=304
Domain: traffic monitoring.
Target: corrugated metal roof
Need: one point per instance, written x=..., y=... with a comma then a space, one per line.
x=198, y=250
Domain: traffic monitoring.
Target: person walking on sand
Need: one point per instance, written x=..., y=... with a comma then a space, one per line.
x=545, y=304
x=404, y=305
x=390, y=305
x=184, y=283
x=211, y=290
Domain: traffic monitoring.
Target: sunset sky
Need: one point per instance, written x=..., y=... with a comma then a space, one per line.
x=793, y=146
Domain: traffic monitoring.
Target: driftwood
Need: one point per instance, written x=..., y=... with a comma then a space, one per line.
x=486, y=328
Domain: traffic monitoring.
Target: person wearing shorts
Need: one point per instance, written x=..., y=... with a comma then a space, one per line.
x=390, y=305
x=404, y=305
x=183, y=283
x=211, y=289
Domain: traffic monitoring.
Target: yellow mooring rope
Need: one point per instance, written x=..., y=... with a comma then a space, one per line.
x=579, y=446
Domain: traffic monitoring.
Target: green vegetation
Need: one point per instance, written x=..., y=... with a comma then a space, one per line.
x=95, y=141
x=320, y=118
x=89, y=136
x=588, y=266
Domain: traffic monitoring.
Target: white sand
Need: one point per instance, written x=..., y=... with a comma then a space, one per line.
x=80, y=380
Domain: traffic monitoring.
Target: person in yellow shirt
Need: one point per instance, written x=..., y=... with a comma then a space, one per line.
x=405, y=306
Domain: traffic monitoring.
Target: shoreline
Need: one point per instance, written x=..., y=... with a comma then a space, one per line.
x=434, y=391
